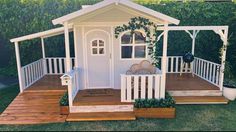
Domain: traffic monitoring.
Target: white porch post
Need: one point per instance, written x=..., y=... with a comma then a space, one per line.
x=18, y=62
x=76, y=47
x=164, y=61
x=224, y=37
x=44, y=56
x=67, y=47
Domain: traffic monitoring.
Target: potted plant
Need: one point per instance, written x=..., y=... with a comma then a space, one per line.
x=64, y=104
x=155, y=108
x=229, y=90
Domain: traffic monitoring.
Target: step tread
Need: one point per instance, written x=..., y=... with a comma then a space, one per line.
x=101, y=116
x=200, y=100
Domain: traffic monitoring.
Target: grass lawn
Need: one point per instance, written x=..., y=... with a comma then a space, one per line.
x=189, y=117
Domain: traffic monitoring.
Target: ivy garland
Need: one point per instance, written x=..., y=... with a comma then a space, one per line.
x=140, y=23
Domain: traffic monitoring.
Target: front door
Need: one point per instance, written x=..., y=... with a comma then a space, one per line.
x=98, y=60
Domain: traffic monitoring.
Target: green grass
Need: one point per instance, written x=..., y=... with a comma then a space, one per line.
x=189, y=117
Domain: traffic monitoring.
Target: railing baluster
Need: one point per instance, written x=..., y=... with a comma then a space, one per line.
x=150, y=89
x=50, y=65
x=143, y=87
x=129, y=88
x=55, y=66
x=157, y=86
x=136, y=87
x=60, y=65
x=172, y=65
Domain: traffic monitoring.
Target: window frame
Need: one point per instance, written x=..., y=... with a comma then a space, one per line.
x=133, y=45
x=97, y=47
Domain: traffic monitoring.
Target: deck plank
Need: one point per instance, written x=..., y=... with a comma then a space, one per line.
x=101, y=116
x=34, y=108
x=201, y=100
x=175, y=82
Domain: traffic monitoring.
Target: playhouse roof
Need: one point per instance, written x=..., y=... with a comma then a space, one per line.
x=117, y=3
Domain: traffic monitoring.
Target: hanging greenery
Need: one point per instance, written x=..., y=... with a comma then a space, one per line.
x=150, y=29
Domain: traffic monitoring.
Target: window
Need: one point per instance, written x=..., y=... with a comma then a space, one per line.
x=98, y=47
x=133, y=46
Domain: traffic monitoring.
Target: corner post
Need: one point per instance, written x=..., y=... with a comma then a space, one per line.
x=224, y=38
x=67, y=47
x=44, y=57
x=18, y=62
x=164, y=61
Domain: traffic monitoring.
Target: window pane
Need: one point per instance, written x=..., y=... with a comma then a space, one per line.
x=139, y=38
x=94, y=43
x=101, y=51
x=95, y=51
x=126, y=38
x=140, y=52
x=126, y=52
x=101, y=43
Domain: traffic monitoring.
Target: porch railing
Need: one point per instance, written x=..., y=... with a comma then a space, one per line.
x=56, y=65
x=175, y=65
x=32, y=73
x=140, y=86
x=71, y=79
x=48, y=66
x=207, y=70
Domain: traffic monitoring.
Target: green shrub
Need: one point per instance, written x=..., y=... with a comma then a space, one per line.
x=168, y=102
x=64, y=100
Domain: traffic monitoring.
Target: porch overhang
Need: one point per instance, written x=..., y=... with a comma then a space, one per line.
x=44, y=34
x=124, y=3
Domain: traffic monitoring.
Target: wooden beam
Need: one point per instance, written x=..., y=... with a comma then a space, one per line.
x=18, y=62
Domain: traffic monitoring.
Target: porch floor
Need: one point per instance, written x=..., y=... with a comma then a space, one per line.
x=36, y=107
x=175, y=82
x=47, y=83
x=98, y=97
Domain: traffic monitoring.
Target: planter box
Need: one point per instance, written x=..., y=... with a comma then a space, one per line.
x=229, y=93
x=64, y=110
x=155, y=112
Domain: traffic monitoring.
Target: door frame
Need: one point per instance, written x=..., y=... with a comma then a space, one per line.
x=111, y=63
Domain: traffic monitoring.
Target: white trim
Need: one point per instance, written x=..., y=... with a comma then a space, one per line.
x=86, y=56
x=112, y=58
x=182, y=28
x=106, y=3
x=97, y=47
x=44, y=34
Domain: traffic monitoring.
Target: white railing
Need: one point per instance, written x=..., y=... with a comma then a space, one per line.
x=48, y=66
x=175, y=65
x=140, y=86
x=32, y=72
x=56, y=65
x=71, y=79
x=207, y=70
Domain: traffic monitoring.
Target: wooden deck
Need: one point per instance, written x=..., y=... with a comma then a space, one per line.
x=34, y=107
x=98, y=97
x=175, y=82
x=47, y=83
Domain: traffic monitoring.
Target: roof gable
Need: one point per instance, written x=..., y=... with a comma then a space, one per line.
x=125, y=3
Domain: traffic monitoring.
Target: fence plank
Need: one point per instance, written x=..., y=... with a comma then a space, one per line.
x=136, y=87
x=150, y=86
x=129, y=88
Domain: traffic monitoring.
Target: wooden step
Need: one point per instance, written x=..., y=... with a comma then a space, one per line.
x=200, y=100
x=195, y=92
x=101, y=116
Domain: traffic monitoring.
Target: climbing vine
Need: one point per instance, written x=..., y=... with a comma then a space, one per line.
x=150, y=29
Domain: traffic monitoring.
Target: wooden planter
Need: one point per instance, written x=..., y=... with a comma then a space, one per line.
x=64, y=110
x=155, y=112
